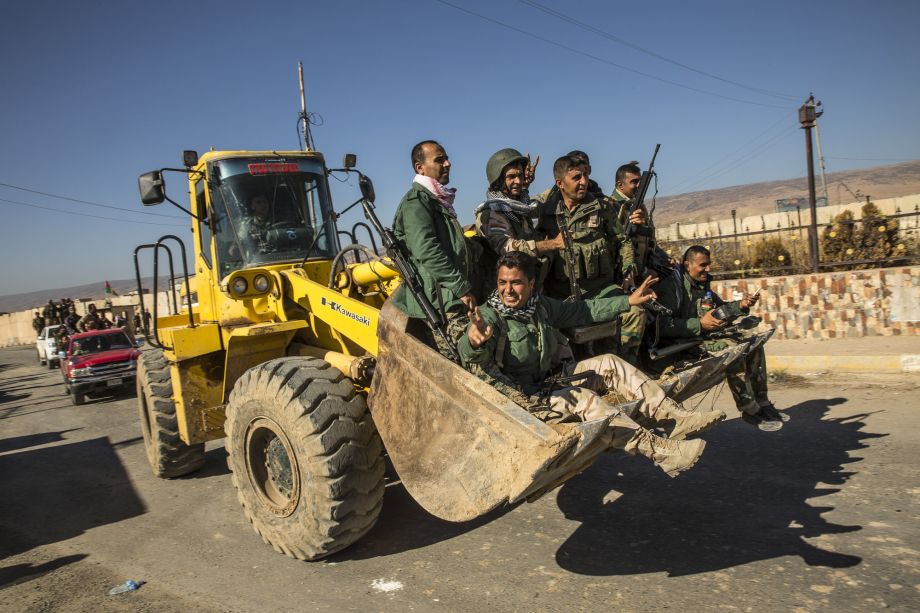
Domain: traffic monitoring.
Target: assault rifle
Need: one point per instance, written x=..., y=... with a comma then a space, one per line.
x=656, y=307
x=559, y=381
x=638, y=199
x=395, y=251
x=571, y=267
x=745, y=323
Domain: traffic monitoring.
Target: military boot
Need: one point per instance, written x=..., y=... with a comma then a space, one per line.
x=658, y=408
x=673, y=457
x=687, y=423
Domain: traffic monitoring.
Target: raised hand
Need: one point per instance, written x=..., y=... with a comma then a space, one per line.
x=644, y=292
x=479, y=332
x=530, y=171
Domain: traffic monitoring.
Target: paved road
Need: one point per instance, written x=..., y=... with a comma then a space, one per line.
x=820, y=516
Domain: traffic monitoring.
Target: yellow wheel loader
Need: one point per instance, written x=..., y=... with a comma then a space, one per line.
x=288, y=349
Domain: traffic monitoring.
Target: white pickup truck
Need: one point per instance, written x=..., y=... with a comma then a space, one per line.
x=47, y=349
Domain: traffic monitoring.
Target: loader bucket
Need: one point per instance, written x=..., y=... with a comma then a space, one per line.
x=460, y=447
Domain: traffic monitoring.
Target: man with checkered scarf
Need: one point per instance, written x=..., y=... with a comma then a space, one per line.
x=514, y=344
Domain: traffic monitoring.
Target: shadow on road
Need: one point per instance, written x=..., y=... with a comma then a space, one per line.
x=404, y=526
x=746, y=500
x=215, y=464
x=20, y=573
x=33, y=440
x=54, y=493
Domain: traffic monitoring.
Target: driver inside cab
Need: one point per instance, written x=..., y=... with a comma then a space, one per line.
x=253, y=232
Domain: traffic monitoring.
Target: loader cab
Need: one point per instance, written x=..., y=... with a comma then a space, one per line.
x=268, y=210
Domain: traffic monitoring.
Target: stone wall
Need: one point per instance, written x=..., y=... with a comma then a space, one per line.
x=879, y=302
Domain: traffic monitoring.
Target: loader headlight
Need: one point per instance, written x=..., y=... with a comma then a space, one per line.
x=239, y=286
x=261, y=283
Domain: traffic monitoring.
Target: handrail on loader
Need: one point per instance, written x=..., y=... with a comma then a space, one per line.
x=156, y=342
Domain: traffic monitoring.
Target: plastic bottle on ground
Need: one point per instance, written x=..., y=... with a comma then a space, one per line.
x=128, y=586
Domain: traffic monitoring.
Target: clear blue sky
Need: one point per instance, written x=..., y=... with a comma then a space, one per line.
x=95, y=93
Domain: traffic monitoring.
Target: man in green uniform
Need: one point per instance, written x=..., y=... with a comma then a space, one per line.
x=626, y=183
x=687, y=294
x=596, y=257
x=551, y=196
x=426, y=225
x=513, y=343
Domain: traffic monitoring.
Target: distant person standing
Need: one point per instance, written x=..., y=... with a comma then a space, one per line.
x=38, y=323
x=71, y=319
x=92, y=316
x=48, y=313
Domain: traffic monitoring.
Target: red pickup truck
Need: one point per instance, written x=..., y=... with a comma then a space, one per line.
x=97, y=361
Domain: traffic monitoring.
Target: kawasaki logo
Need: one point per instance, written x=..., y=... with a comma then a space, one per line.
x=341, y=310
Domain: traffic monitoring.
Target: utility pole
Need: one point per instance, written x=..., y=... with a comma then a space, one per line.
x=807, y=117
x=820, y=154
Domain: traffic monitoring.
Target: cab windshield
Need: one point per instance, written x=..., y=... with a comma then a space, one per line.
x=269, y=210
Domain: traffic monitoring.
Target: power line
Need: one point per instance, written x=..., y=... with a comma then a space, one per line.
x=696, y=175
x=604, y=60
x=769, y=144
x=617, y=39
x=872, y=159
x=89, y=202
x=35, y=206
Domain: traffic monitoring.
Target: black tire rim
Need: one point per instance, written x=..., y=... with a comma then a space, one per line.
x=272, y=466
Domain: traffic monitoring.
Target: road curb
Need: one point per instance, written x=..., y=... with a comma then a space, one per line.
x=894, y=363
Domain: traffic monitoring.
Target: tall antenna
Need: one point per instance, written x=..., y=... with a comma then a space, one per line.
x=307, y=137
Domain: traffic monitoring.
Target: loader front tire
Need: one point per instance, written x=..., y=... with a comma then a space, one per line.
x=306, y=458
x=168, y=456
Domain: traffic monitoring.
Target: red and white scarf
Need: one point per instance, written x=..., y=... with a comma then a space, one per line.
x=444, y=195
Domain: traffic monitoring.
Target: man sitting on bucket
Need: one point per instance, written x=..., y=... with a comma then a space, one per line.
x=513, y=343
x=694, y=308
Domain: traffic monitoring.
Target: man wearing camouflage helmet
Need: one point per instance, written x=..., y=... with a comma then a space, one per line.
x=505, y=219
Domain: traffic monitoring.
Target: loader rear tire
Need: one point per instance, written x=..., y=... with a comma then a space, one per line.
x=306, y=458
x=168, y=456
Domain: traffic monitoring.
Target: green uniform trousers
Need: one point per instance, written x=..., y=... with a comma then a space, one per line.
x=746, y=377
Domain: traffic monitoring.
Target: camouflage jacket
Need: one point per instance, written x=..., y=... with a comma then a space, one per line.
x=602, y=256
x=504, y=229
x=683, y=296
x=253, y=234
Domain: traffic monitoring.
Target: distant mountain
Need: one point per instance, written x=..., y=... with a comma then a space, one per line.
x=90, y=291
x=758, y=198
